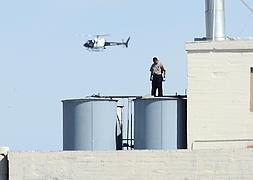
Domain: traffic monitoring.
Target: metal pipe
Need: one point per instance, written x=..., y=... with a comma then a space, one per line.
x=209, y=19
x=215, y=20
x=128, y=116
x=219, y=20
x=131, y=120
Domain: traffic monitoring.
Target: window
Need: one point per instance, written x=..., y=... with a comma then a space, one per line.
x=251, y=89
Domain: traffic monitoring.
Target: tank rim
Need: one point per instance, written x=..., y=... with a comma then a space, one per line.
x=89, y=100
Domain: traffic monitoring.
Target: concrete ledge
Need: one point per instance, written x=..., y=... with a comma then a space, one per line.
x=220, y=46
x=125, y=165
x=222, y=144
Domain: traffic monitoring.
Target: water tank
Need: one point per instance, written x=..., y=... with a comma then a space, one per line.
x=160, y=123
x=89, y=124
x=4, y=163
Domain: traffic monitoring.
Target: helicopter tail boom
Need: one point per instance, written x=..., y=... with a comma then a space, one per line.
x=118, y=43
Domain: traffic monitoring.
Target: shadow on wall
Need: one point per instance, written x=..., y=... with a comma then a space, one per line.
x=3, y=167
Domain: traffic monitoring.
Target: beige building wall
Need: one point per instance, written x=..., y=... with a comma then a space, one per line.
x=132, y=165
x=219, y=93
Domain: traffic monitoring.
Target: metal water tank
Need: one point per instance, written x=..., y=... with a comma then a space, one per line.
x=160, y=123
x=89, y=124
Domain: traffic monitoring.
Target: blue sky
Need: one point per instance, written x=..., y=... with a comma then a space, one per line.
x=43, y=61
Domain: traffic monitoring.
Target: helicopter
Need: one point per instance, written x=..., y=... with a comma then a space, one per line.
x=99, y=43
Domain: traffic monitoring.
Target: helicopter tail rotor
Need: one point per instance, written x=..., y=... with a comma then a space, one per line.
x=126, y=43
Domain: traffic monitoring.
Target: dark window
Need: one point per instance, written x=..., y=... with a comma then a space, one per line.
x=251, y=89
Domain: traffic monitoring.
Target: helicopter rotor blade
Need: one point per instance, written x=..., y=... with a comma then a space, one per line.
x=101, y=35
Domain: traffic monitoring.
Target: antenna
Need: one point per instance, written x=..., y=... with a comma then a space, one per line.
x=215, y=20
x=246, y=4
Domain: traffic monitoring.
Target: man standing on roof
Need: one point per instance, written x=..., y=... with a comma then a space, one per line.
x=157, y=76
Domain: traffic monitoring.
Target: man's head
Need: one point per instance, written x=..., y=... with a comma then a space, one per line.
x=155, y=60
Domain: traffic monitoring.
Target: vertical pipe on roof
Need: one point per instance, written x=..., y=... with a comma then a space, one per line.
x=215, y=20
